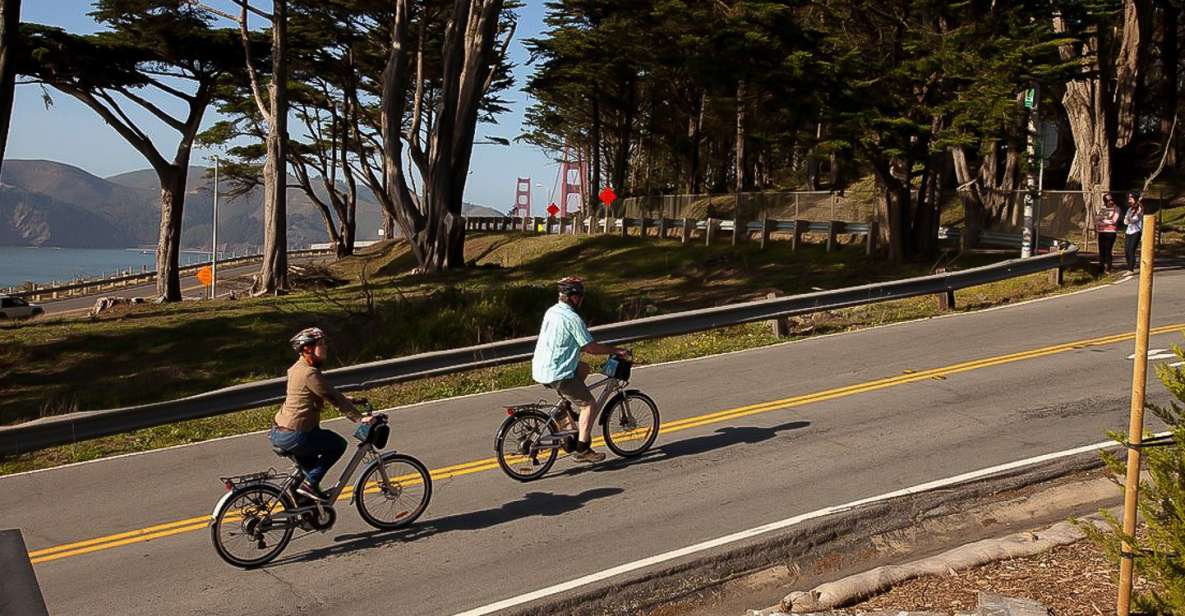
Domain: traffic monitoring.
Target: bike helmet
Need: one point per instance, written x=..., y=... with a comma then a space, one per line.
x=571, y=286
x=306, y=337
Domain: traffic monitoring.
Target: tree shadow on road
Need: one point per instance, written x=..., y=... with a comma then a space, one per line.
x=532, y=504
x=722, y=437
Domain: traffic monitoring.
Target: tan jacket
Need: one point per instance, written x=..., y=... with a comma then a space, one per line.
x=308, y=390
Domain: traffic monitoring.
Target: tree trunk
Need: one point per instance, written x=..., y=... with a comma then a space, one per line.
x=273, y=273
x=1170, y=65
x=1130, y=67
x=1087, y=111
x=894, y=205
x=168, y=246
x=621, y=157
x=595, y=137
x=974, y=212
x=10, y=20
x=742, y=163
x=695, y=127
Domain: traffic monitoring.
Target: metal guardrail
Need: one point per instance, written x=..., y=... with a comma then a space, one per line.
x=37, y=293
x=65, y=429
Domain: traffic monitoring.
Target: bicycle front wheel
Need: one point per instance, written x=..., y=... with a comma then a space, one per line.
x=630, y=424
x=515, y=445
x=252, y=526
x=393, y=491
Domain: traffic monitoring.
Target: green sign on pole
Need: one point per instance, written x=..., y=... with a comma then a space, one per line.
x=1030, y=98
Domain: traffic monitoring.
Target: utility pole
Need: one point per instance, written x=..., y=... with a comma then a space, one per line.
x=1135, y=430
x=214, y=239
x=1032, y=100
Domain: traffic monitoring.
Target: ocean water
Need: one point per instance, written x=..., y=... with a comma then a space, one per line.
x=20, y=264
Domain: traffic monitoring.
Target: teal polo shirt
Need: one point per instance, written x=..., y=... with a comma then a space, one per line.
x=557, y=351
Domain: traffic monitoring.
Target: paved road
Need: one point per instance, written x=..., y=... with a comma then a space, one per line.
x=189, y=288
x=812, y=424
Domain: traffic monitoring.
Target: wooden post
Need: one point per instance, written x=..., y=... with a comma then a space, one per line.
x=662, y=227
x=710, y=231
x=1057, y=276
x=874, y=232
x=781, y=325
x=625, y=227
x=946, y=300
x=563, y=226
x=764, y=229
x=833, y=228
x=643, y=226
x=1135, y=429
x=686, y=234
x=800, y=227
x=526, y=224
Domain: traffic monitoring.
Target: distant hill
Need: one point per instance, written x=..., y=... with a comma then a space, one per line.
x=45, y=203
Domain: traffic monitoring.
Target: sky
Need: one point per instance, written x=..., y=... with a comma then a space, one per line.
x=69, y=132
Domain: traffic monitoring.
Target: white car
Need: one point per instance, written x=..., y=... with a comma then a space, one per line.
x=17, y=308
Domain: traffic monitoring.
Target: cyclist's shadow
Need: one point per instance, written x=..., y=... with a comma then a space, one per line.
x=722, y=437
x=530, y=505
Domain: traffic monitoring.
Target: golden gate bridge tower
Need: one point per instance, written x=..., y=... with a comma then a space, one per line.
x=573, y=180
x=522, y=198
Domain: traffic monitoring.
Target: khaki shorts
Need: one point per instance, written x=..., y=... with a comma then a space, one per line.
x=575, y=390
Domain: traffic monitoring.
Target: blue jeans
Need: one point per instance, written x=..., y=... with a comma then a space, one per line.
x=315, y=451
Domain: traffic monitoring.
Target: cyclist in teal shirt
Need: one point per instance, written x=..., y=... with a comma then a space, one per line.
x=556, y=363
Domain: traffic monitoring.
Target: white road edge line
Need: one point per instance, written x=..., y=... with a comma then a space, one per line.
x=773, y=526
x=646, y=367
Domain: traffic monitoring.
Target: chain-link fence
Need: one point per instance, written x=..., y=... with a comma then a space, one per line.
x=816, y=206
x=1060, y=214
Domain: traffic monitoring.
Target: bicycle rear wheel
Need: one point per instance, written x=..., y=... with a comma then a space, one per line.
x=398, y=500
x=630, y=424
x=515, y=441
x=246, y=532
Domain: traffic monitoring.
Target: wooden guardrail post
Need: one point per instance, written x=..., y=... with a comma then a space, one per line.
x=740, y=229
x=781, y=325
x=946, y=300
x=662, y=227
x=643, y=226
x=710, y=231
x=563, y=226
x=1057, y=276
x=526, y=224
x=686, y=231
x=874, y=233
x=800, y=227
x=625, y=226
x=833, y=230
x=764, y=229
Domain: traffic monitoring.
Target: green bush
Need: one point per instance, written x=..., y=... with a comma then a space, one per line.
x=1160, y=547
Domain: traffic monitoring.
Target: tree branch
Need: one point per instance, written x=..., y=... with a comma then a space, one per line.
x=255, y=89
x=153, y=109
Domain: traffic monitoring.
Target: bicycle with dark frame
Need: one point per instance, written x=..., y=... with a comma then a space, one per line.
x=530, y=438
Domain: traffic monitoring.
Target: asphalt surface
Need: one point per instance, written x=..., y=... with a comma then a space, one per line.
x=860, y=414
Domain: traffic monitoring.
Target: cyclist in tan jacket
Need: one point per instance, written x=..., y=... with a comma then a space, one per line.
x=297, y=428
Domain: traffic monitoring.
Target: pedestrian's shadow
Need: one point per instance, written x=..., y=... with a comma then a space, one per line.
x=722, y=437
x=532, y=504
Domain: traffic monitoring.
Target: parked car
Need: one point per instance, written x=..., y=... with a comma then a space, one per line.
x=17, y=308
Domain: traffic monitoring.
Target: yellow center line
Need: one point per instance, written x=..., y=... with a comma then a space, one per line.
x=476, y=466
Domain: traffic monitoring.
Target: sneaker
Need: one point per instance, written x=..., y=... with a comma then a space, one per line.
x=311, y=491
x=588, y=456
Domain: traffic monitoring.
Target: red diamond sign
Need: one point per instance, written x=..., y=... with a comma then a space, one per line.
x=553, y=209
x=607, y=196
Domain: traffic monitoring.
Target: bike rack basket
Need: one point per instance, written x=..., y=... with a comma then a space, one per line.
x=234, y=481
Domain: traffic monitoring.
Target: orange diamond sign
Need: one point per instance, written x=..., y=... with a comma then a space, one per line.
x=205, y=276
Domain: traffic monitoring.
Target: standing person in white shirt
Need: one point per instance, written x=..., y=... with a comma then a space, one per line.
x=1134, y=219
